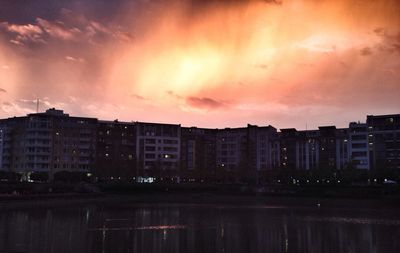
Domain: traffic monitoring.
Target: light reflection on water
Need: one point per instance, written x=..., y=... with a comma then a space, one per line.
x=196, y=228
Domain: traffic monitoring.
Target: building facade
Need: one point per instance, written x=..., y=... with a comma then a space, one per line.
x=116, y=151
x=48, y=142
x=384, y=142
x=198, y=154
x=52, y=142
x=158, y=152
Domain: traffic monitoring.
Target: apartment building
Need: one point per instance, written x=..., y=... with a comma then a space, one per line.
x=198, y=154
x=384, y=142
x=54, y=141
x=116, y=151
x=158, y=152
x=358, y=145
x=47, y=142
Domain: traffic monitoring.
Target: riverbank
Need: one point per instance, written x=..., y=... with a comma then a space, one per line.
x=101, y=199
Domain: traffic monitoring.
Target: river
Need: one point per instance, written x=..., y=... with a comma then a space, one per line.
x=201, y=228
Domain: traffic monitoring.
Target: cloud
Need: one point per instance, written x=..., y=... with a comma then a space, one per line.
x=17, y=42
x=190, y=61
x=204, y=103
x=174, y=95
x=74, y=59
x=23, y=33
x=58, y=29
x=277, y=2
x=24, y=30
x=3, y=90
x=366, y=51
x=138, y=97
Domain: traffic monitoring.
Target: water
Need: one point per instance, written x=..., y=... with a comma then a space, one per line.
x=197, y=228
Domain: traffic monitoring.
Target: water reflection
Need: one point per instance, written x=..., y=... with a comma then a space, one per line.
x=185, y=228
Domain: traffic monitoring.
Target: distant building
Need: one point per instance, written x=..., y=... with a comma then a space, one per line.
x=384, y=141
x=231, y=154
x=198, y=154
x=309, y=150
x=51, y=142
x=47, y=142
x=325, y=148
x=246, y=154
x=262, y=152
x=116, y=151
x=158, y=152
x=358, y=146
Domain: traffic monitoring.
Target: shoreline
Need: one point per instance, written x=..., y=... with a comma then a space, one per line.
x=223, y=199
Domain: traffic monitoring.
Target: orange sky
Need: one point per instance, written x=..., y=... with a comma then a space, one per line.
x=213, y=64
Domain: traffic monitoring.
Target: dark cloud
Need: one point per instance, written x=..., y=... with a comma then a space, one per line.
x=138, y=97
x=379, y=30
x=204, y=103
x=278, y=2
x=172, y=94
x=366, y=51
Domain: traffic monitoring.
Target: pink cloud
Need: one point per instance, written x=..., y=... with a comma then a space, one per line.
x=58, y=29
x=204, y=103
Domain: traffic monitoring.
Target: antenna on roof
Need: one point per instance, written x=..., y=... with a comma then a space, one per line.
x=37, y=106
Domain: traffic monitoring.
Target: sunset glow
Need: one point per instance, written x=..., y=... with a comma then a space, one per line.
x=204, y=63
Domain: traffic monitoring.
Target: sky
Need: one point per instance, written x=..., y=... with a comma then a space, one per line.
x=205, y=63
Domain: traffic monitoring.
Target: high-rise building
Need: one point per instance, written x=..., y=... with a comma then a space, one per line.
x=51, y=142
x=384, y=142
x=358, y=146
x=198, y=154
x=116, y=151
x=158, y=152
x=48, y=142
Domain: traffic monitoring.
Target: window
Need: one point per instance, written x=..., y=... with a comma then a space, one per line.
x=358, y=145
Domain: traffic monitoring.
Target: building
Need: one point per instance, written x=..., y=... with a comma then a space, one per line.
x=262, y=152
x=158, y=152
x=358, y=146
x=384, y=142
x=40, y=145
x=116, y=151
x=48, y=143
x=198, y=154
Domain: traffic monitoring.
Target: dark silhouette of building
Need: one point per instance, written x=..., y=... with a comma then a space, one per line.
x=158, y=152
x=52, y=142
x=198, y=154
x=384, y=142
x=116, y=151
x=48, y=142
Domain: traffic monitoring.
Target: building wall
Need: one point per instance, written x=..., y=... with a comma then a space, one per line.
x=48, y=142
x=198, y=154
x=358, y=145
x=158, y=151
x=53, y=141
x=116, y=151
x=384, y=141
